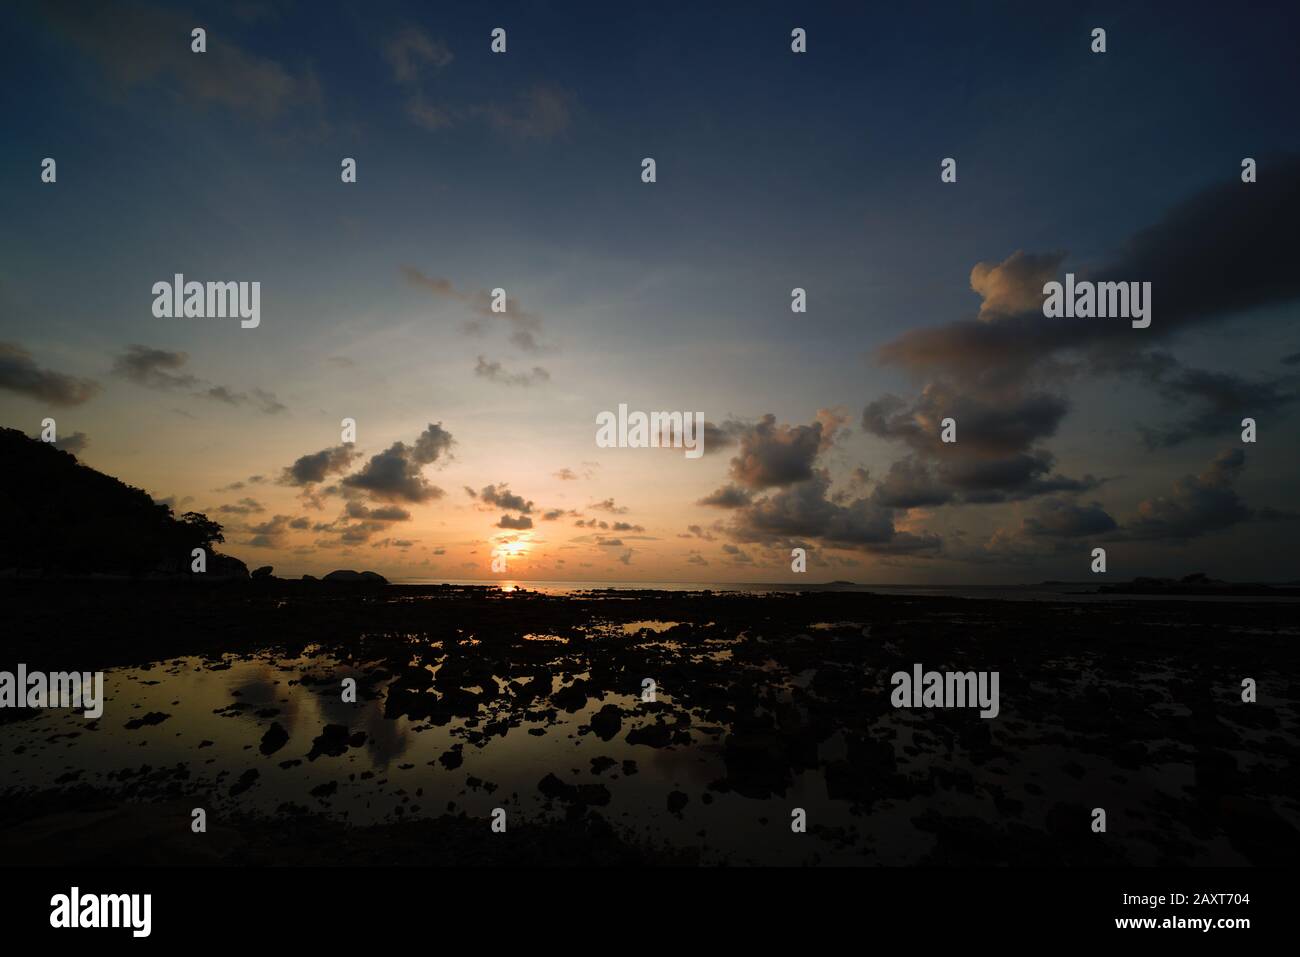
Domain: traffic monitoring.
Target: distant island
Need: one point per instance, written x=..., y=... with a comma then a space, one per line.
x=1197, y=583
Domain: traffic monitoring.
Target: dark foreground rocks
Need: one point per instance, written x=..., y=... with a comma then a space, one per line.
x=1132, y=705
x=86, y=829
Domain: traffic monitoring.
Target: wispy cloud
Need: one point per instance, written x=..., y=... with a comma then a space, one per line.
x=19, y=373
x=163, y=370
x=493, y=371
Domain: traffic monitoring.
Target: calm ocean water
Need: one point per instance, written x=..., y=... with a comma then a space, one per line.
x=1043, y=591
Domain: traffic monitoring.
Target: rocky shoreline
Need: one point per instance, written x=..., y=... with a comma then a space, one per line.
x=778, y=701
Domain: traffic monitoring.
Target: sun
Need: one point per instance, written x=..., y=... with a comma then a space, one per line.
x=514, y=549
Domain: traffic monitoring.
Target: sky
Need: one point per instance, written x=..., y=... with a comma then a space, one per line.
x=475, y=430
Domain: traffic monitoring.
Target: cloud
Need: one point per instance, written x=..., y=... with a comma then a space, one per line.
x=738, y=555
x=724, y=436
x=525, y=326
x=995, y=457
x=412, y=51
x=913, y=483
x=394, y=474
x=542, y=112
x=494, y=372
x=988, y=426
x=1014, y=285
x=360, y=533
x=1217, y=401
x=1196, y=505
x=414, y=56
x=1013, y=477
x=1225, y=250
x=237, y=486
x=172, y=502
x=1059, y=518
x=774, y=455
x=245, y=506
x=587, y=471
x=728, y=496
x=271, y=533
x=910, y=483
x=607, y=505
x=426, y=114
x=387, y=513
x=780, y=494
x=154, y=368
x=74, y=443
x=502, y=497
x=803, y=511
x=433, y=442
x=137, y=44
x=19, y=373
x=265, y=401
x=309, y=469
x=161, y=369
x=520, y=523
x=696, y=531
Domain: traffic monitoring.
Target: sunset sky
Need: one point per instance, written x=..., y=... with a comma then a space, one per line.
x=774, y=170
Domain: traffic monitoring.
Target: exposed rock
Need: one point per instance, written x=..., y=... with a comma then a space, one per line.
x=153, y=717
x=572, y=698
x=607, y=722
x=334, y=739
x=226, y=567
x=350, y=576
x=657, y=735
x=274, y=739
x=246, y=781
x=583, y=794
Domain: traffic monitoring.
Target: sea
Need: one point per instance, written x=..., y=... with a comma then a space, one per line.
x=1042, y=591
